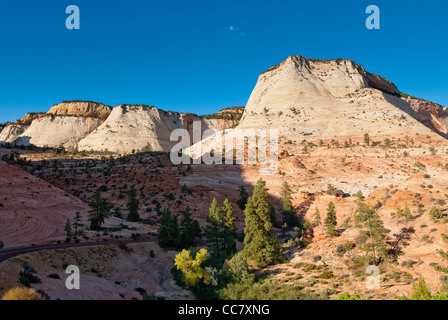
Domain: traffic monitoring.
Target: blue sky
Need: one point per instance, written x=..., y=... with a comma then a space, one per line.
x=203, y=55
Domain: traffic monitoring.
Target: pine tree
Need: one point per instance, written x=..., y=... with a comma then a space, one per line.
x=221, y=231
x=212, y=231
x=286, y=197
x=359, y=199
x=68, y=228
x=317, y=218
x=77, y=223
x=243, y=198
x=373, y=234
x=366, y=139
x=260, y=245
x=272, y=214
x=168, y=231
x=133, y=206
x=229, y=231
x=99, y=211
x=330, y=220
x=189, y=230
x=286, y=200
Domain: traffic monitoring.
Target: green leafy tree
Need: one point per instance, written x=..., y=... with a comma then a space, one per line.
x=191, y=268
x=242, y=201
x=133, y=206
x=189, y=230
x=260, y=245
x=331, y=220
x=168, y=231
x=99, y=211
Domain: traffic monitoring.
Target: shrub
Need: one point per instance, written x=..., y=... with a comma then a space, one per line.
x=140, y=290
x=435, y=213
x=122, y=245
x=408, y=263
x=420, y=291
x=27, y=275
x=2, y=245
x=420, y=165
x=22, y=294
x=347, y=296
x=349, y=245
x=325, y=275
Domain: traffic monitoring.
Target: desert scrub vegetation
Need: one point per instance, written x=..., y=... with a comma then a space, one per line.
x=347, y=296
x=20, y=293
x=27, y=275
x=420, y=291
x=420, y=165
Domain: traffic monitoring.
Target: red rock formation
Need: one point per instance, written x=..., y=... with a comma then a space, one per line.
x=430, y=114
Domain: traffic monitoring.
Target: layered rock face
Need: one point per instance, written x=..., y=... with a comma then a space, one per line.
x=432, y=115
x=55, y=131
x=142, y=127
x=13, y=130
x=10, y=132
x=122, y=129
x=64, y=125
x=331, y=99
x=82, y=109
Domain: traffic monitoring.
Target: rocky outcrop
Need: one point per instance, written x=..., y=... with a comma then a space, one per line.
x=12, y=131
x=328, y=99
x=431, y=114
x=65, y=124
x=136, y=128
x=56, y=131
x=82, y=109
x=100, y=127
